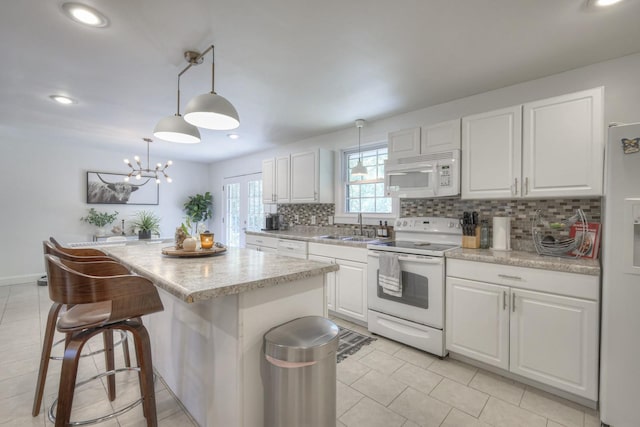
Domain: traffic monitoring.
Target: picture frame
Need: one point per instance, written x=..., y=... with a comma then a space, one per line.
x=109, y=188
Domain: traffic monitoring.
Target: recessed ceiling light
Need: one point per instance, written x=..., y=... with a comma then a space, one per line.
x=233, y=135
x=85, y=15
x=61, y=99
x=604, y=3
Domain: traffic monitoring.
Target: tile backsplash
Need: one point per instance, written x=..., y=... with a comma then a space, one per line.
x=520, y=211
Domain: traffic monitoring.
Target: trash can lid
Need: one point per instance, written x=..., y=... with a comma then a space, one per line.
x=305, y=339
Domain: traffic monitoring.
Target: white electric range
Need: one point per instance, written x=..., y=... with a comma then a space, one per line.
x=416, y=318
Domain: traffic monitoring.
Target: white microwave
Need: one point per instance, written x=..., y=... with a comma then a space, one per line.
x=430, y=175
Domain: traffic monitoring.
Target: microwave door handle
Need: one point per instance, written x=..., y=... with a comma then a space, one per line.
x=436, y=179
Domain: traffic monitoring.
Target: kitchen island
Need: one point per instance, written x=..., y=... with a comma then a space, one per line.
x=207, y=343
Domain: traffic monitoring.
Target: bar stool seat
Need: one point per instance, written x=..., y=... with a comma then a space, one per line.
x=125, y=299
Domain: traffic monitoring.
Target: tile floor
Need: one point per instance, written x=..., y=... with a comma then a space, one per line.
x=384, y=384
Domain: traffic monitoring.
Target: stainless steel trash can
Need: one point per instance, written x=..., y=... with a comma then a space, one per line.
x=300, y=387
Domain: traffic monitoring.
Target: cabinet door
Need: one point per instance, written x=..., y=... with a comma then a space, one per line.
x=282, y=179
x=351, y=289
x=404, y=143
x=268, y=181
x=554, y=340
x=304, y=177
x=477, y=321
x=330, y=281
x=491, y=148
x=563, y=145
x=440, y=137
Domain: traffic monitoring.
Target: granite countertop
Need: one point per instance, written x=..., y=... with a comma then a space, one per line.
x=312, y=234
x=528, y=259
x=202, y=278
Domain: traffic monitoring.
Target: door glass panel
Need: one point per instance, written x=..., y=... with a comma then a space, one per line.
x=415, y=290
x=255, y=212
x=233, y=214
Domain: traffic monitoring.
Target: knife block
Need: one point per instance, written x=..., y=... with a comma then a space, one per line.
x=472, y=242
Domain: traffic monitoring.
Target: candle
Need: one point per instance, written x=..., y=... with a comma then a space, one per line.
x=206, y=240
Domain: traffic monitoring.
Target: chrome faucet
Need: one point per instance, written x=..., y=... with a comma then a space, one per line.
x=360, y=222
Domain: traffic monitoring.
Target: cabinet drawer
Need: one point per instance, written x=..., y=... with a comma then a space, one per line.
x=340, y=252
x=270, y=242
x=555, y=282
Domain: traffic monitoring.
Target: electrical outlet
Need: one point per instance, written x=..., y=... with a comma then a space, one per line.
x=313, y=220
x=330, y=220
x=296, y=218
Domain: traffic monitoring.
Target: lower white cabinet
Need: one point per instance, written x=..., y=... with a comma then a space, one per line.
x=519, y=323
x=347, y=287
x=261, y=243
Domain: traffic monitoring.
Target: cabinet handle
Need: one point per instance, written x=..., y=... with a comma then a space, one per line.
x=506, y=276
x=516, y=187
x=513, y=302
x=526, y=186
x=504, y=300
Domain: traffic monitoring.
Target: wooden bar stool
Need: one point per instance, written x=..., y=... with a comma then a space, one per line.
x=100, y=265
x=101, y=303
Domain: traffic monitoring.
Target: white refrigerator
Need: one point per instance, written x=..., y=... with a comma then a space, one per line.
x=620, y=346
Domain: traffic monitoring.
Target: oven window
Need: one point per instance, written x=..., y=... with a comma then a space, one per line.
x=415, y=290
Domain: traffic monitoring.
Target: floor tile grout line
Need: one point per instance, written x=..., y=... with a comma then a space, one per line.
x=445, y=418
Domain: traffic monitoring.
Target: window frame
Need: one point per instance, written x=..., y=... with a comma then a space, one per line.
x=369, y=218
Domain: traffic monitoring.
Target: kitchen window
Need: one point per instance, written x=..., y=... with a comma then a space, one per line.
x=365, y=194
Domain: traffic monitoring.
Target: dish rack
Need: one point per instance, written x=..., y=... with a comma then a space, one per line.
x=551, y=238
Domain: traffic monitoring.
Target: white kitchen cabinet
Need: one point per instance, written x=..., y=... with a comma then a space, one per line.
x=404, y=143
x=563, y=145
x=330, y=281
x=276, y=182
x=350, y=281
x=491, y=154
x=269, y=181
x=554, y=340
x=312, y=177
x=440, y=137
x=478, y=321
x=538, y=324
x=261, y=243
x=444, y=136
x=548, y=148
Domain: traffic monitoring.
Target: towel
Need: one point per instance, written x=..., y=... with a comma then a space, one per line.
x=389, y=275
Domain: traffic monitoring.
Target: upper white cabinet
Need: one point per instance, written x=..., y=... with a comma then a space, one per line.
x=305, y=177
x=548, y=148
x=428, y=139
x=491, y=152
x=563, y=145
x=312, y=177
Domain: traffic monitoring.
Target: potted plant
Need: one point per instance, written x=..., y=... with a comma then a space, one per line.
x=199, y=208
x=99, y=219
x=146, y=222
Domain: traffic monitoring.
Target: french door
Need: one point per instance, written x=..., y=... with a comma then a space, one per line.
x=243, y=207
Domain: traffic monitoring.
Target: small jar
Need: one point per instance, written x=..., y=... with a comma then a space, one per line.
x=484, y=235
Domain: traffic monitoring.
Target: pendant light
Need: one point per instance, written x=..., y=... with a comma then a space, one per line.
x=359, y=169
x=174, y=128
x=140, y=172
x=210, y=110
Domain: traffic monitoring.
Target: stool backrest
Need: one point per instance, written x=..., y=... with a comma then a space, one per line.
x=77, y=251
x=130, y=295
x=74, y=254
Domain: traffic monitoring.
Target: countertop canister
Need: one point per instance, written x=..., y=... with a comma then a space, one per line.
x=502, y=233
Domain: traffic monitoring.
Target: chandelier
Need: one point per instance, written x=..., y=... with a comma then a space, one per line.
x=139, y=172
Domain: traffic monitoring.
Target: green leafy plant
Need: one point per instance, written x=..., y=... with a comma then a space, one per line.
x=146, y=221
x=99, y=219
x=198, y=208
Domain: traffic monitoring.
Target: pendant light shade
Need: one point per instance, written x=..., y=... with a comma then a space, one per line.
x=359, y=169
x=176, y=129
x=211, y=111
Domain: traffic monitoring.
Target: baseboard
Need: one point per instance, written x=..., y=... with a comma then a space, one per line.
x=19, y=280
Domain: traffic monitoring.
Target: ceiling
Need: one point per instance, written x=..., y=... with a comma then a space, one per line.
x=293, y=69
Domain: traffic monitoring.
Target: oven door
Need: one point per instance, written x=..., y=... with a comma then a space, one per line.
x=422, y=299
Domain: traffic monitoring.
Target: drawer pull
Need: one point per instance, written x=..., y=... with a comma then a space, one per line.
x=513, y=302
x=506, y=276
x=504, y=300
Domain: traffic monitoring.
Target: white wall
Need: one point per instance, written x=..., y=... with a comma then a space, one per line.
x=44, y=194
x=622, y=104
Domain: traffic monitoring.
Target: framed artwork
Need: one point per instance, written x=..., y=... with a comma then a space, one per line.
x=110, y=188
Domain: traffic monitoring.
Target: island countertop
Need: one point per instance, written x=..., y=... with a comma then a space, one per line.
x=202, y=278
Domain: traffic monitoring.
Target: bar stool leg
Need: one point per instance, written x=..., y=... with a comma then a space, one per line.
x=107, y=337
x=143, y=353
x=47, y=343
x=125, y=349
x=68, y=379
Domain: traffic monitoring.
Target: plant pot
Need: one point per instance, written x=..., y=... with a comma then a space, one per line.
x=144, y=234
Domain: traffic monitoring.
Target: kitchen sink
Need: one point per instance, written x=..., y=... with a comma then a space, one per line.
x=348, y=238
x=334, y=237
